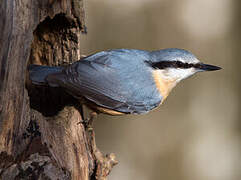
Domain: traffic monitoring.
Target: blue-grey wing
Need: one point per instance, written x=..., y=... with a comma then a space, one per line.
x=117, y=81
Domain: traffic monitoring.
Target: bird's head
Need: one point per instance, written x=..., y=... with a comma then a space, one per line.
x=173, y=65
x=178, y=64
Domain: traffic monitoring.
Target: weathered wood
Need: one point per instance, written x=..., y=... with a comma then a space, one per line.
x=40, y=133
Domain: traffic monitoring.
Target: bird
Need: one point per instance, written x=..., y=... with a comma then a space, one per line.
x=122, y=81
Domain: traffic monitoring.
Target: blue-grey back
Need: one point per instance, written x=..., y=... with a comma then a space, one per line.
x=118, y=75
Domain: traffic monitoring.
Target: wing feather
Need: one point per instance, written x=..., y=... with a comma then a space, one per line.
x=109, y=83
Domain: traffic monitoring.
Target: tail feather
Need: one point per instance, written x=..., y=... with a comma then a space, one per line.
x=38, y=73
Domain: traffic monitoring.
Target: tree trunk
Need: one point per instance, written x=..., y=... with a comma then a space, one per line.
x=41, y=131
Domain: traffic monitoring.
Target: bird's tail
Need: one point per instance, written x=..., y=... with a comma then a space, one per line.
x=38, y=73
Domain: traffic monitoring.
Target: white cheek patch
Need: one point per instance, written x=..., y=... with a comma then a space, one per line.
x=177, y=74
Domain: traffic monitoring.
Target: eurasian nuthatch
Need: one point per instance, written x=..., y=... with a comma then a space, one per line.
x=122, y=81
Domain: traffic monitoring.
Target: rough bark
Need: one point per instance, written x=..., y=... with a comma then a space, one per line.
x=41, y=134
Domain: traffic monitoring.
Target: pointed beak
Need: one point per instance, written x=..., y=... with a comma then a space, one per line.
x=208, y=67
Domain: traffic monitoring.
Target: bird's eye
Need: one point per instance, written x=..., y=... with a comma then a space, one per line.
x=179, y=64
x=186, y=65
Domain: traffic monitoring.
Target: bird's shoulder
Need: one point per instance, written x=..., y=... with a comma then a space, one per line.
x=118, y=56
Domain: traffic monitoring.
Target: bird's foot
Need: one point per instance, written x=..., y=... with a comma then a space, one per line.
x=88, y=122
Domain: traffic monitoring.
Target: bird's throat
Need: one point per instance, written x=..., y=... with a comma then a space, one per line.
x=163, y=85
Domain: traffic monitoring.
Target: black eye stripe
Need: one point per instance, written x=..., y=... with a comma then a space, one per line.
x=172, y=64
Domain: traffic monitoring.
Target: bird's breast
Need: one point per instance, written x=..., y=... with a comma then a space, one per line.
x=163, y=85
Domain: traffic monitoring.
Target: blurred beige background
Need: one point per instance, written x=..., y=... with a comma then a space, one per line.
x=195, y=134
